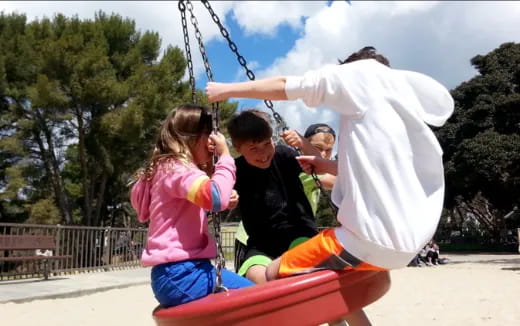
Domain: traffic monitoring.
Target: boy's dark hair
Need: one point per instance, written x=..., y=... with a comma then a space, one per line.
x=249, y=125
x=368, y=52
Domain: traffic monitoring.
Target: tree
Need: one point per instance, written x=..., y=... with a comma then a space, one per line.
x=481, y=141
x=81, y=103
x=66, y=81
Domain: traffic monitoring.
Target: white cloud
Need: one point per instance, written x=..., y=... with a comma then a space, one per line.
x=318, y=46
x=240, y=74
x=264, y=17
x=322, y=41
x=397, y=8
x=435, y=38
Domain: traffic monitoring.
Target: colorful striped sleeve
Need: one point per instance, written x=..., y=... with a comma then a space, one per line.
x=205, y=193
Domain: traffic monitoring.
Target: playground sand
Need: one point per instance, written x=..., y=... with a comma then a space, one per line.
x=470, y=290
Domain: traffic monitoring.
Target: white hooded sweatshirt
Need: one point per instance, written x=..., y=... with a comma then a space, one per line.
x=390, y=183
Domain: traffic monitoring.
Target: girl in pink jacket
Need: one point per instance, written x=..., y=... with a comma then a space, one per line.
x=172, y=192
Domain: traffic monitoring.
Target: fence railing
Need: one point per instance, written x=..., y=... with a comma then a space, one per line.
x=91, y=248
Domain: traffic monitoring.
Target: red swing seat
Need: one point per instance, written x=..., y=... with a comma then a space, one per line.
x=309, y=299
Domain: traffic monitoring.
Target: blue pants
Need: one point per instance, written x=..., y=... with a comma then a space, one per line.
x=181, y=282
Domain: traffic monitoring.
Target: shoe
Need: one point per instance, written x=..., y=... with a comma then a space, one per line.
x=429, y=264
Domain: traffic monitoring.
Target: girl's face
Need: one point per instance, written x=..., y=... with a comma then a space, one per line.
x=201, y=153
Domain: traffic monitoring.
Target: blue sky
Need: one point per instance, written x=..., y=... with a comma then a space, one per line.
x=437, y=38
x=259, y=52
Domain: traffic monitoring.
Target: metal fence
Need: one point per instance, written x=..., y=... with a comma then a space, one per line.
x=90, y=248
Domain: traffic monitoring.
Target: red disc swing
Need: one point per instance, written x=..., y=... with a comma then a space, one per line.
x=309, y=299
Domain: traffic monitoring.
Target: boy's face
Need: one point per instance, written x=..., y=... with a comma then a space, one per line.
x=258, y=154
x=324, y=142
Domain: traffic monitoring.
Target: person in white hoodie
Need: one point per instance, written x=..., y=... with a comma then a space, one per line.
x=390, y=178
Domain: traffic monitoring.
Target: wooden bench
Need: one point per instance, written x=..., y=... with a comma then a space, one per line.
x=30, y=242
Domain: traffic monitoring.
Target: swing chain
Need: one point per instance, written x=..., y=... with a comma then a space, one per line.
x=182, y=9
x=242, y=61
x=198, y=36
x=325, y=194
x=220, y=261
x=250, y=74
x=215, y=217
x=319, y=184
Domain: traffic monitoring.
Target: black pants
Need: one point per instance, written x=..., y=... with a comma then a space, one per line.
x=433, y=255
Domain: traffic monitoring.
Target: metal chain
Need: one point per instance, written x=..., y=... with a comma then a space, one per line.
x=216, y=217
x=242, y=61
x=325, y=194
x=198, y=36
x=319, y=184
x=182, y=9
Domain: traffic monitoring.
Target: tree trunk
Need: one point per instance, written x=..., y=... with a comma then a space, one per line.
x=100, y=197
x=52, y=168
x=87, y=210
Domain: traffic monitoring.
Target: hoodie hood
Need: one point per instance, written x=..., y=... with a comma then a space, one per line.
x=140, y=199
x=436, y=102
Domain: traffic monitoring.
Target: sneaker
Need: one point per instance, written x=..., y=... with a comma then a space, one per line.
x=429, y=264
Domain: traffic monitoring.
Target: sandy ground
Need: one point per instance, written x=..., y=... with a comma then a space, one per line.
x=471, y=290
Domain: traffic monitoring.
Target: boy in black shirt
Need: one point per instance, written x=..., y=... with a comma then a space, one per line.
x=274, y=209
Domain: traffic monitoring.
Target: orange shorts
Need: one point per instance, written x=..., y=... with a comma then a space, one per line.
x=323, y=251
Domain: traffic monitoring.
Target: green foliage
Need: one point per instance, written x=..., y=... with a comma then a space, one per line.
x=15, y=182
x=58, y=80
x=12, y=144
x=44, y=211
x=481, y=141
x=81, y=101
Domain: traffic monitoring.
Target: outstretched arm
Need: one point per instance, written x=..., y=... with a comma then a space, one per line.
x=294, y=139
x=318, y=165
x=263, y=89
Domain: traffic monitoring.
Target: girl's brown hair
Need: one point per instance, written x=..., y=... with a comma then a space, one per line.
x=177, y=137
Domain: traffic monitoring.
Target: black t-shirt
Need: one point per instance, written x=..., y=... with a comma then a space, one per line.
x=273, y=205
